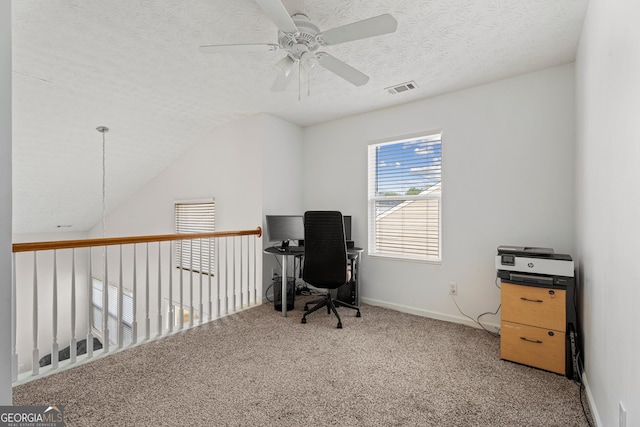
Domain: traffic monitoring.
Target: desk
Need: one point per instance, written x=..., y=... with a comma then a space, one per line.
x=353, y=255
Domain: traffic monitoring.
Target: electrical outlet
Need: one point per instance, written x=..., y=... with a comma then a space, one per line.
x=622, y=416
x=453, y=288
x=274, y=272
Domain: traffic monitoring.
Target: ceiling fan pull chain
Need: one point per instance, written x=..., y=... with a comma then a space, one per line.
x=299, y=78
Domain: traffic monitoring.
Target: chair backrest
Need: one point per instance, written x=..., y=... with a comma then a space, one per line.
x=325, y=249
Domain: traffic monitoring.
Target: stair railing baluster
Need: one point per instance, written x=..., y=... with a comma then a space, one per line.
x=159, y=288
x=73, y=341
x=119, y=302
x=89, y=305
x=35, y=357
x=147, y=319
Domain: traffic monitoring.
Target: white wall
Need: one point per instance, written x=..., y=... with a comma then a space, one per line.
x=508, y=178
x=282, y=166
x=235, y=165
x=227, y=166
x=282, y=180
x=5, y=203
x=248, y=166
x=608, y=204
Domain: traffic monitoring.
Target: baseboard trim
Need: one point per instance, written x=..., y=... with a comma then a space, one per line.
x=592, y=404
x=430, y=314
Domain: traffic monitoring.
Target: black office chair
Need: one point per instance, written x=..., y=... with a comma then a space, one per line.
x=325, y=259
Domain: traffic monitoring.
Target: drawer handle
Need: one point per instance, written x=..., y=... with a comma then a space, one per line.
x=531, y=300
x=528, y=340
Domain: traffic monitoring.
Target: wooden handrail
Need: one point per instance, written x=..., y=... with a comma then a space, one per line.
x=109, y=241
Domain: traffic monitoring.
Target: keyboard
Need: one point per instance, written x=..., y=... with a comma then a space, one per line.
x=296, y=249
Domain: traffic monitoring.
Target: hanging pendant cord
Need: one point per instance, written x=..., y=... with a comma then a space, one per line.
x=104, y=185
x=103, y=130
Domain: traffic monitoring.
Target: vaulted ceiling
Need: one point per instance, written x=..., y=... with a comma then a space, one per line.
x=134, y=66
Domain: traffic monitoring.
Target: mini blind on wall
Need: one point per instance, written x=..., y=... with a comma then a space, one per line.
x=405, y=187
x=127, y=310
x=197, y=254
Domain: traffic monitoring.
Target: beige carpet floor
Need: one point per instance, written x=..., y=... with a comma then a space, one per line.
x=256, y=368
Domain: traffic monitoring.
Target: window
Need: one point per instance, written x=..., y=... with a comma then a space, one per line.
x=195, y=255
x=127, y=311
x=405, y=185
x=186, y=314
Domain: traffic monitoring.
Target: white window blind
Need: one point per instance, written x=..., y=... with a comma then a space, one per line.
x=405, y=187
x=196, y=254
x=127, y=310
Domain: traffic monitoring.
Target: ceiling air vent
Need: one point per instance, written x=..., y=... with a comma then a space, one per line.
x=403, y=87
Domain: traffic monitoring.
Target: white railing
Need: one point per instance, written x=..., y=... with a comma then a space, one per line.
x=64, y=281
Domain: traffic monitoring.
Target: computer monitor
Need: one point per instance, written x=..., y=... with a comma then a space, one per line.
x=346, y=220
x=347, y=226
x=283, y=228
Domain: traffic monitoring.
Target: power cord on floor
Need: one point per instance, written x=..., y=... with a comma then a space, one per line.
x=581, y=388
x=584, y=410
x=477, y=320
x=307, y=291
x=266, y=292
x=493, y=314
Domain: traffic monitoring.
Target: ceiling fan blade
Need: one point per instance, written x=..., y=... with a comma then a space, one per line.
x=282, y=81
x=287, y=70
x=342, y=69
x=278, y=14
x=232, y=48
x=376, y=26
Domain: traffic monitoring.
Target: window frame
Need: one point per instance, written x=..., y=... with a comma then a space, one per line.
x=96, y=303
x=432, y=193
x=208, y=245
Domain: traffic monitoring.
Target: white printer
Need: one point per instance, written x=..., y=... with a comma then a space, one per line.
x=530, y=265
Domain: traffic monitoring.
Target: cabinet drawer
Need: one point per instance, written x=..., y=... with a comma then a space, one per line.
x=537, y=347
x=530, y=305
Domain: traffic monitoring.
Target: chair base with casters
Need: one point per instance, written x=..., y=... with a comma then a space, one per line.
x=331, y=304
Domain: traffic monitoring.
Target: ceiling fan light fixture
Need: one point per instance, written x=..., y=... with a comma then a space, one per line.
x=309, y=61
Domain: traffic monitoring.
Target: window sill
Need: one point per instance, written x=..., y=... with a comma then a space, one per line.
x=406, y=259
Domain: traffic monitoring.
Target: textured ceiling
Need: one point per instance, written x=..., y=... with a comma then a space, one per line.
x=134, y=66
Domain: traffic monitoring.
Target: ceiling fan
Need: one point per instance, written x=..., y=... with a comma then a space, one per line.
x=302, y=39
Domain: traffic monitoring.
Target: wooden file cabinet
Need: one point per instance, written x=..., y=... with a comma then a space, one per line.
x=533, y=326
